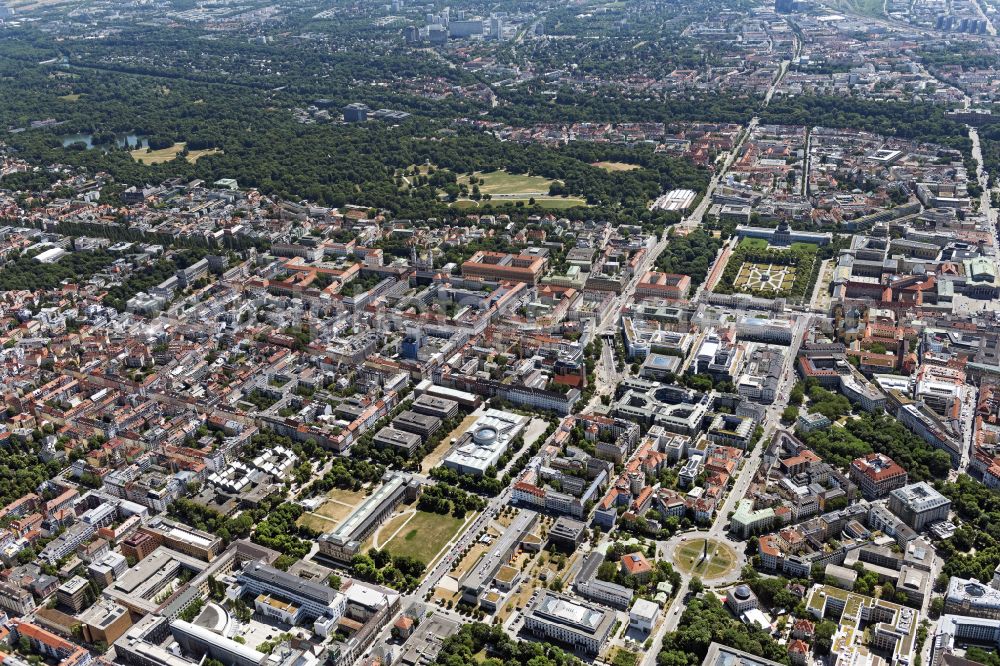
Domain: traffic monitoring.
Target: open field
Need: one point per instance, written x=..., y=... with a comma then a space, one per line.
x=195, y=155
x=71, y=98
x=511, y=188
x=336, y=511
x=616, y=166
x=316, y=522
x=166, y=154
x=350, y=497
x=501, y=182
x=754, y=277
x=337, y=506
x=156, y=156
x=424, y=535
x=388, y=529
x=721, y=558
x=504, y=188
x=340, y=505
x=422, y=169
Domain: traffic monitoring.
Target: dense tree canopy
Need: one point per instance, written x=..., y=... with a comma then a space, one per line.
x=706, y=620
x=881, y=434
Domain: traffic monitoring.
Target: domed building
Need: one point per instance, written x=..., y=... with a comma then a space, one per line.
x=741, y=599
x=483, y=444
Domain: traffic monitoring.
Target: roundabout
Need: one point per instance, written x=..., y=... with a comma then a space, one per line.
x=709, y=559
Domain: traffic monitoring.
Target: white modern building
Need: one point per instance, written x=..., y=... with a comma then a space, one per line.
x=643, y=615
x=967, y=596
x=291, y=599
x=556, y=617
x=485, y=442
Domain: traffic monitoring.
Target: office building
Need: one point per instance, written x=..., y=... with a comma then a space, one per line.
x=567, y=533
x=419, y=424
x=939, y=433
x=73, y=593
x=579, y=624
x=200, y=641
x=717, y=356
x=643, y=615
x=463, y=29
x=957, y=631
x=105, y=622
x=139, y=546
x=747, y=520
x=391, y=438
x=588, y=586
x=356, y=113
x=890, y=627
x=919, y=505
x=107, y=569
x=139, y=588
x=431, y=405
x=479, y=579
x=654, y=284
x=732, y=430
x=182, y=538
x=496, y=28
x=723, y=655
x=291, y=599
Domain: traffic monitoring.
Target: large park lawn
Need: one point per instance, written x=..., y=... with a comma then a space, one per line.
x=501, y=182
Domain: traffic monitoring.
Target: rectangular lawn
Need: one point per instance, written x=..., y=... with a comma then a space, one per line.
x=754, y=242
x=424, y=536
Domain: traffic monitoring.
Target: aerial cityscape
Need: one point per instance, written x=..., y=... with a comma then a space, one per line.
x=464, y=333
